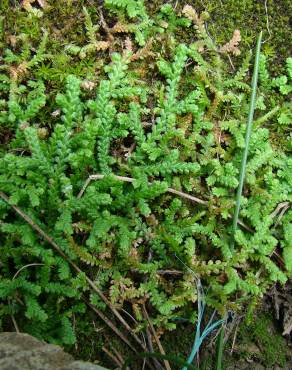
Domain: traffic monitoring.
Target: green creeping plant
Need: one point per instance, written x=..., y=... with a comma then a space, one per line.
x=137, y=139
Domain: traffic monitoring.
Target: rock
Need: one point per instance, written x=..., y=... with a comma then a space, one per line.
x=81, y=365
x=20, y=351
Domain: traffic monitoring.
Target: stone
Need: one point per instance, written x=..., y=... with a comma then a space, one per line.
x=19, y=351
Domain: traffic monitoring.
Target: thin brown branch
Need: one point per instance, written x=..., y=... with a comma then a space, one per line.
x=118, y=354
x=115, y=312
x=106, y=28
x=161, y=272
x=169, y=190
x=282, y=208
x=234, y=339
x=245, y=226
x=135, y=321
x=109, y=324
x=75, y=267
x=278, y=209
x=187, y=196
x=15, y=324
x=267, y=22
x=130, y=179
x=112, y=356
x=230, y=61
x=156, y=363
x=169, y=272
x=161, y=349
x=24, y=267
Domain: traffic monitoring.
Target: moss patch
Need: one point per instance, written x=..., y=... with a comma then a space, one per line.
x=250, y=17
x=259, y=342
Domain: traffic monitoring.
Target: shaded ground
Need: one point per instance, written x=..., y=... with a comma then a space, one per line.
x=254, y=345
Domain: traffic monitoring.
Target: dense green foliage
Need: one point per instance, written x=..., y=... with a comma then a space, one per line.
x=178, y=124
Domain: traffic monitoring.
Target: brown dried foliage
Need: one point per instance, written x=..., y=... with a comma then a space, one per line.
x=191, y=13
x=26, y=4
x=232, y=45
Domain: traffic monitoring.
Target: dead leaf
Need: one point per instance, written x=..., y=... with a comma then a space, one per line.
x=120, y=27
x=191, y=13
x=18, y=71
x=144, y=52
x=282, y=302
x=26, y=4
x=88, y=85
x=128, y=45
x=102, y=45
x=42, y=3
x=12, y=40
x=232, y=45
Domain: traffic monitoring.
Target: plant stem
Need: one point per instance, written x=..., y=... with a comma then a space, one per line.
x=219, y=354
x=220, y=342
x=247, y=138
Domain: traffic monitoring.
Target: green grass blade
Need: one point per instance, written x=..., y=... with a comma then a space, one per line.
x=247, y=137
x=219, y=352
x=220, y=343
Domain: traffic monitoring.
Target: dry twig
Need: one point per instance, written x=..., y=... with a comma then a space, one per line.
x=161, y=349
x=75, y=267
x=169, y=190
x=112, y=356
x=104, y=25
x=24, y=267
x=232, y=45
x=110, y=324
x=15, y=323
x=234, y=338
x=131, y=180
